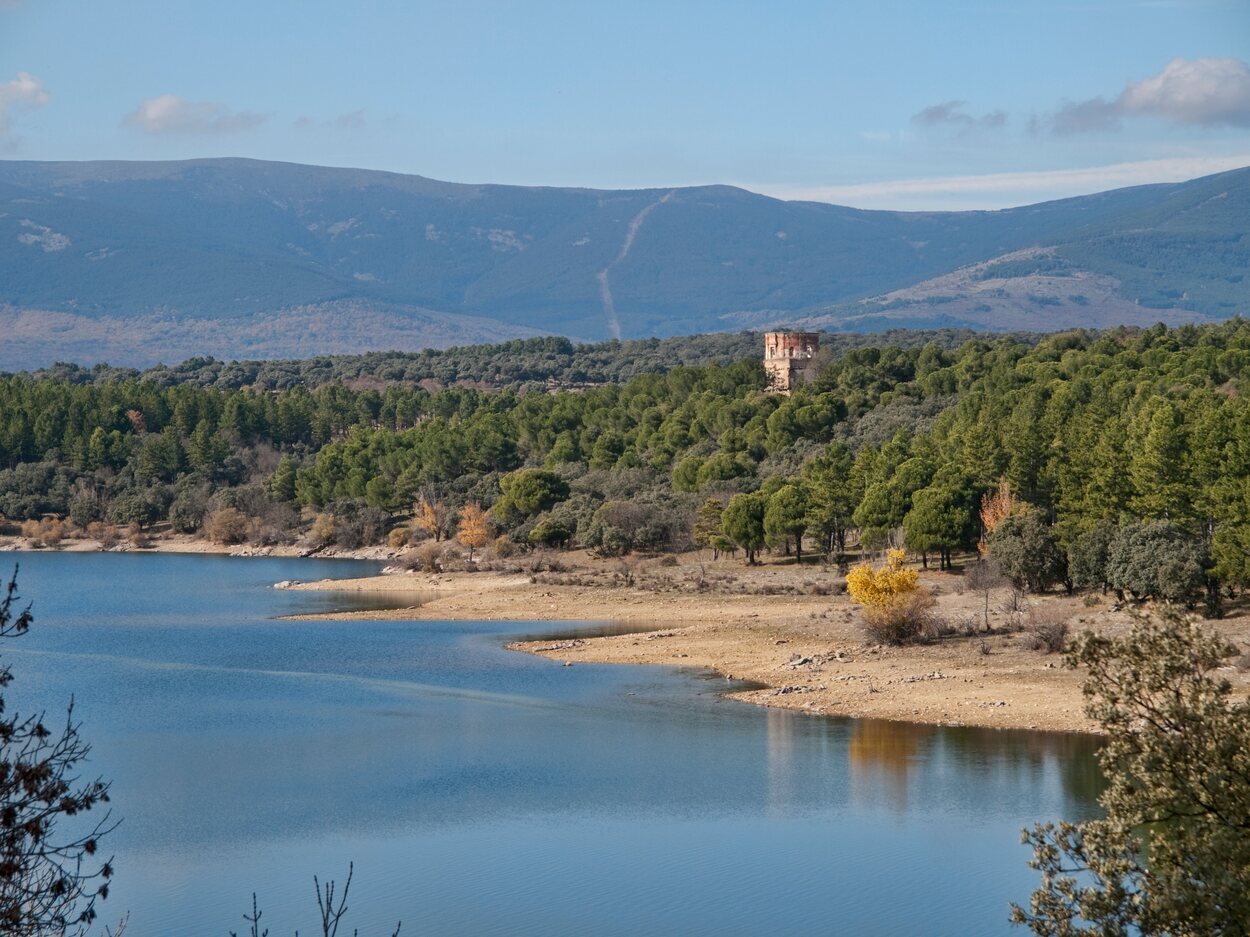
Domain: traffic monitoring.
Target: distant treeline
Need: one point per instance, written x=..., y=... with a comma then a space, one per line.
x=1137, y=442
x=512, y=364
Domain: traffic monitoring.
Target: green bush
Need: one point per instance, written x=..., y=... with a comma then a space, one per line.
x=1157, y=560
x=1027, y=552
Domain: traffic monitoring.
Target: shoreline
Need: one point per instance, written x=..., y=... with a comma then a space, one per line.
x=800, y=650
x=803, y=652
x=187, y=543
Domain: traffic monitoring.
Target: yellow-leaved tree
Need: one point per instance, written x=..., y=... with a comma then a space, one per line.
x=996, y=507
x=432, y=517
x=474, y=529
x=895, y=605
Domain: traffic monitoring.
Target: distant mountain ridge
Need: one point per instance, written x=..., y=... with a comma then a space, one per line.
x=137, y=261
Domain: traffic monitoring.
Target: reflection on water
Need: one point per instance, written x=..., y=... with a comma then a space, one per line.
x=883, y=755
x=355, y=600
x=780, y=760
x=481, y=791
x=880, y=755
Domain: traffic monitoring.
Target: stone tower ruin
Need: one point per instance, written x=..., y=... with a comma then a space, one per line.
x=789, y=358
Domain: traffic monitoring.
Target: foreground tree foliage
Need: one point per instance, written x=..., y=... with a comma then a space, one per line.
x=50, y=878
x=1172, y=855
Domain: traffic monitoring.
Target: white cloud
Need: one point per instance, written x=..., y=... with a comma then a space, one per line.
x=25, y=90
x=1003, y=189
x=168, y=113
x=1204, y=92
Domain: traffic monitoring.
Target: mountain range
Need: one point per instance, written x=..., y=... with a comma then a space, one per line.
x=135, y=262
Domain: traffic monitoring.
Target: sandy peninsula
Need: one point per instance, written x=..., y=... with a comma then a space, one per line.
x=805, y=651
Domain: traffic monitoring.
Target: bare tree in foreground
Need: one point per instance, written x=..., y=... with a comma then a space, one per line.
x=332, y=909
x=50, y=879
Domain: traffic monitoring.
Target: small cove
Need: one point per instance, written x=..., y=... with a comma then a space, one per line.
x=482, y=791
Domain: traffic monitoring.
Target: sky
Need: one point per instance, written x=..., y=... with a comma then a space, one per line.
x=943, y=104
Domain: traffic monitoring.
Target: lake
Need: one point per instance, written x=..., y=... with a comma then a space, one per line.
x=482, y=791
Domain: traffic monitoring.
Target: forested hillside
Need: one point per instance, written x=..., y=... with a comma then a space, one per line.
x=1137, y=435
x=520, y=364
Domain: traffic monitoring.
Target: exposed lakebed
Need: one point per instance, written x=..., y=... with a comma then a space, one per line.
x=483, y=791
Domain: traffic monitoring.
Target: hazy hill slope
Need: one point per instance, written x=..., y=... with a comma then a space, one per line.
x=210, y=245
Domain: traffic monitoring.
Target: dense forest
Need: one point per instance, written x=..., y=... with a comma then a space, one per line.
x=518, y=364
x=1112, y=448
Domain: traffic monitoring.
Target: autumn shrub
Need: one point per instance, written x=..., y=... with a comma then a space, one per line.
x=428, y=555
x=1051, y=633
x=44, y=533
x=52, y=532
x=322, y=531
x=399, y=538
x=228, y=526
x=877, y=587
x=106, y=534
x=908, y=619
x=409, y=561
x=896, y=609
x=503, y=547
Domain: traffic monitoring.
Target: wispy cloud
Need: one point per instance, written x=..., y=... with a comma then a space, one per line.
x=168, y=113
x=351, y=120
x=25, y=90
x=1003, y=189
x=1198, y=92
x=954, y=115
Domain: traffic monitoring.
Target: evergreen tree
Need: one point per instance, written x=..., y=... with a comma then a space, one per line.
x=282, y=484
x=1157, y=466
x=743, y=523
x=785, y=517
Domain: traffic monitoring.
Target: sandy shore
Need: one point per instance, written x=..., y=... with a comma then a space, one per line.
x=805, y=650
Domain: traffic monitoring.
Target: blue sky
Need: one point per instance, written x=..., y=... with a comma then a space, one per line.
x=877, y=104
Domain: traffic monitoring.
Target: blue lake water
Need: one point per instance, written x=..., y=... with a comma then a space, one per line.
x=481, y=791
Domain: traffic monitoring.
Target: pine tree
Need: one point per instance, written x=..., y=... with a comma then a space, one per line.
x=1157, y=466
x=785, y=516
x=707, y=522
x=282, y=484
